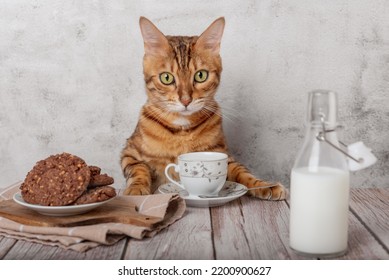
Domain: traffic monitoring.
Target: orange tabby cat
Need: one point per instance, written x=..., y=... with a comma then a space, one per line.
x=181, y=115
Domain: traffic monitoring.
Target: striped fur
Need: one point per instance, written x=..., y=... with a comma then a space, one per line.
x=183, y=116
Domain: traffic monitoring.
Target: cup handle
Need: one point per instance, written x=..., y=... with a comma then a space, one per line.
x=176, y=169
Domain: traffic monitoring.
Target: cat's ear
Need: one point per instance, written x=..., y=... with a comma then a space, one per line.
x=154, y=41
x=210, y=39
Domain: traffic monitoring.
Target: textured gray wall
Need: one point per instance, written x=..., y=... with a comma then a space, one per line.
x=71, y=77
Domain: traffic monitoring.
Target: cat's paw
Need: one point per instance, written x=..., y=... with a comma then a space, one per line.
x=278, y=192
x=137, y=190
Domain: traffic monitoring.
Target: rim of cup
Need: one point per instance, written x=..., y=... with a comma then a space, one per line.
x=202, y=157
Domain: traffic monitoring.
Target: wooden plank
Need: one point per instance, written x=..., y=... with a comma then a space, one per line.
x=263, y=226
x=371, y=206
x=188, y=238
x=112, y=252
x=228, y=229
x=5, y=245
x=361, y=244
x=23, y=250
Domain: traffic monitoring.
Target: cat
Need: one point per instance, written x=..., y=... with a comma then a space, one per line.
x=180, y=115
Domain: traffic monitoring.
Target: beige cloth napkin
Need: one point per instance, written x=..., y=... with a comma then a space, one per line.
x=169, y=207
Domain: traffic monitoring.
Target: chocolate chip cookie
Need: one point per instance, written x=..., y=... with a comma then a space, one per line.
x=56, y=181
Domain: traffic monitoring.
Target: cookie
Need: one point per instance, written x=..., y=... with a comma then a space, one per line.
x=56, y=181
x=94, y=170
x=97, y=194
x=99, y=180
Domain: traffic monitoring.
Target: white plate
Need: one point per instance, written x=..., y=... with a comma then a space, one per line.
x=233, y=190
x=59, y=211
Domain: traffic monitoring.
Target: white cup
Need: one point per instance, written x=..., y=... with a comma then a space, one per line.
x=200, y=173
x=359, y=151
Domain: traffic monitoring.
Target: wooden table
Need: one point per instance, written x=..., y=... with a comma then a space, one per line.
x=246, y=228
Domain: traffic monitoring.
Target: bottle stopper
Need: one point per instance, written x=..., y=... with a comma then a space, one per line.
x=359, y=151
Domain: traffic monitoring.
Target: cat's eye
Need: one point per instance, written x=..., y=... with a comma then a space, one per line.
x=201, y=76
x=166, y=78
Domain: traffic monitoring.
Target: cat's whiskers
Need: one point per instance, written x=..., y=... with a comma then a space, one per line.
x=220, y=112
x=231, y=113
x=169, y=116
x=159, y=115
x=206, y=112
x=162, y=112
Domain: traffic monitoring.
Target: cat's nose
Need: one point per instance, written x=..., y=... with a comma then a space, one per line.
x=186, y=100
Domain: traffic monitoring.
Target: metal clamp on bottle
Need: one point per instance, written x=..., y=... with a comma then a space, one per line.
x=358, y=152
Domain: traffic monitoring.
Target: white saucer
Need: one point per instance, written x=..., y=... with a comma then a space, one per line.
x=59, y=211
x=236, y=189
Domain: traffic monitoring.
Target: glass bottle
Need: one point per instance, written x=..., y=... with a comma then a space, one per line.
x=319, y=188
